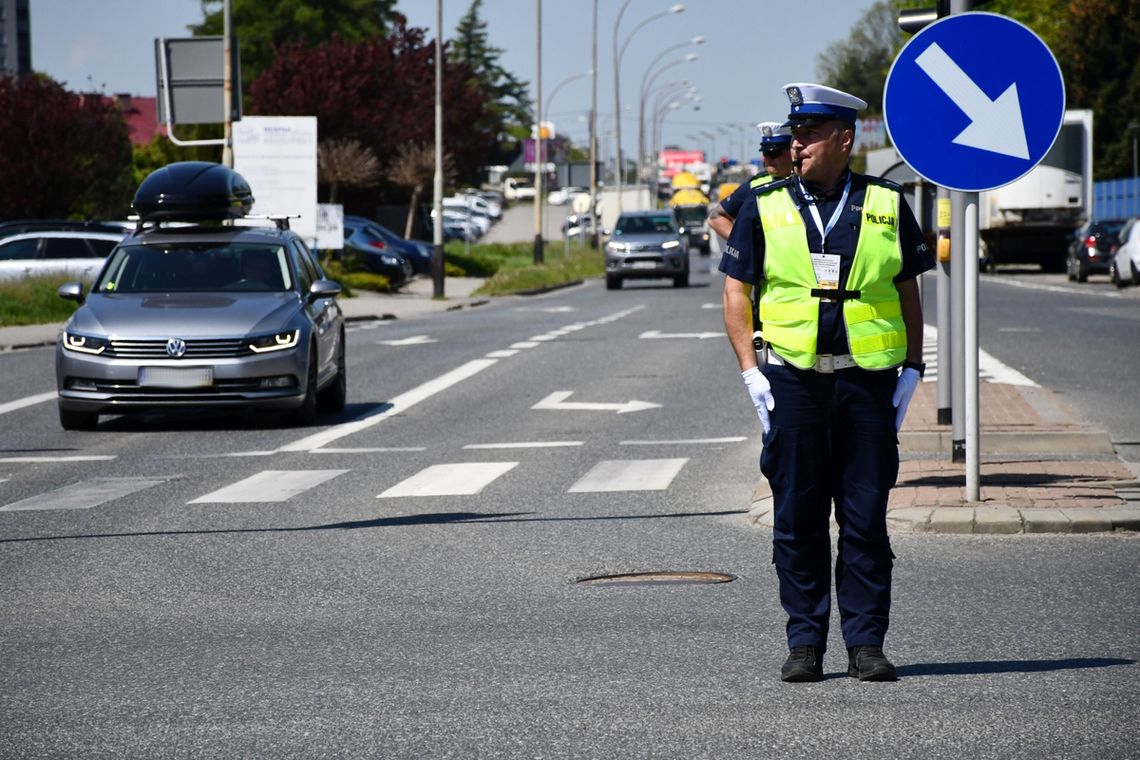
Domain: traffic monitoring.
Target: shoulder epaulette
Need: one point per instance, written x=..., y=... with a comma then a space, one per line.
x=884, y=183
x=768, y=187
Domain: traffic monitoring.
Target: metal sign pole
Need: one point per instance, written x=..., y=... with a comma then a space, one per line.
x=973, y=439
x=957, y=321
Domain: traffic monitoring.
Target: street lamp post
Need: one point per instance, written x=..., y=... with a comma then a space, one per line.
x=538, y=163
x=669, y=100
x=594, y=131
x=617, y=56
x=646, y=83
x=546, y=110
x=437, y=184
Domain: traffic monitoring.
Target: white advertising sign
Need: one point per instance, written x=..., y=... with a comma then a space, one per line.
x=277, y=155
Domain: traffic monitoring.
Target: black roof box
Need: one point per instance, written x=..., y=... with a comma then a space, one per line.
x=191, y=191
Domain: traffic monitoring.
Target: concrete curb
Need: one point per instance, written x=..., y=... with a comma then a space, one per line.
x=980, y=519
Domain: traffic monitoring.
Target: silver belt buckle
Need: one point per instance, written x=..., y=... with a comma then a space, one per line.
x=824, y=363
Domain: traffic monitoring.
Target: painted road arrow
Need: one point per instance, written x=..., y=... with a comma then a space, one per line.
x=653, y=334
x=414, y=340
x=995, y=125
x=557, y=401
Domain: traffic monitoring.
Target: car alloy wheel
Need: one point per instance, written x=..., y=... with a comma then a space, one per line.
x=332, y=398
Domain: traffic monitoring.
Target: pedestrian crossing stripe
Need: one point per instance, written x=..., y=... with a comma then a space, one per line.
x=460, y=479
x=629, y=475
x=84, y=495
x=990, y=370
x=453, y=479
x=269, y=486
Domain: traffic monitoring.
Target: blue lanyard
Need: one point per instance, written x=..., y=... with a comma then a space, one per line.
x=825, y=231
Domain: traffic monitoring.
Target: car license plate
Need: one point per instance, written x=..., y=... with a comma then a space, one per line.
x=644, y=265
x=175, y=377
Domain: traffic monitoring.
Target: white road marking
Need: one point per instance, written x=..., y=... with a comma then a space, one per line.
x=545, y=337
x=369, y=450
x=557, y=402
x=75, y=458
x=400, y=403
x=503, y=354
x=687, y=441
x=84, y=495
x=717, y=306
x=268, y=485
x=525, y=344
x=629, y=475
x=651, y=334
x=1072, y=289
x=414, y=340
x=20, y=403
x=462, y=479
x=989, y=369
x=524, y=445
x=548, y=309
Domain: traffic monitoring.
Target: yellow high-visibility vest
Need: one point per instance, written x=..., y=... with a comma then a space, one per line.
x=789, y=313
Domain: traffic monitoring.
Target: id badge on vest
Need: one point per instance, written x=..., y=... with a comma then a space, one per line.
x=826, y=266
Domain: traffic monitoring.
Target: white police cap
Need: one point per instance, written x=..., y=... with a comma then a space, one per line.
x=773, y=134
x=817, y=103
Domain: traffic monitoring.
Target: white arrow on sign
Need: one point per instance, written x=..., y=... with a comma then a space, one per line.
x=414, y=340
x=557, y=401
x=653, y=334
x=995, y=125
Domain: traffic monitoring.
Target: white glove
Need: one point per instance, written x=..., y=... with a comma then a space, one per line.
x=904, y=390
x=761, y=393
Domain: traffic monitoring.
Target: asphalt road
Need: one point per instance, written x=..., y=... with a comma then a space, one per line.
x=216, y=586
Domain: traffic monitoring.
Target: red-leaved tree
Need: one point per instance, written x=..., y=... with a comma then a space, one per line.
x=64, y=154
x=381, y=93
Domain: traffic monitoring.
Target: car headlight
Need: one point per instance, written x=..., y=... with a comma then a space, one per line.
x=86, y=344
x=670, y=244
x=390, y=261
x=275, y=342
x=617, y=247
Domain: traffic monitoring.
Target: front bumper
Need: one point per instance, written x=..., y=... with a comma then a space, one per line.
x=647, y=264
x=271, y=382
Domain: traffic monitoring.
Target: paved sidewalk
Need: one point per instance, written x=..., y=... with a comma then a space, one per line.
x=1043, y=470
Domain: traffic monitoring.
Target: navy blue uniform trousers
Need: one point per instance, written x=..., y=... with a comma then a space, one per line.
x=832, y=438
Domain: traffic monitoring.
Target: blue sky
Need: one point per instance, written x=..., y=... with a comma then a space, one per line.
x=751, y=48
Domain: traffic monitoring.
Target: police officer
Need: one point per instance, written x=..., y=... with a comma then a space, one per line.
x=835, y=255
x=775, y=142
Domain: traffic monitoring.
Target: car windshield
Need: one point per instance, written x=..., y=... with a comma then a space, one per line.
x=643, y=225
x=196, y=267
x=691, y=213
x=1109, y=228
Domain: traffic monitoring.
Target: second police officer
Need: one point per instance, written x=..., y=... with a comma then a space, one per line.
x=835, y=255
x=775, y=152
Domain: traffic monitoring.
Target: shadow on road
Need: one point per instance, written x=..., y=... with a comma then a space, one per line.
x=431, y=518
x=988, y=667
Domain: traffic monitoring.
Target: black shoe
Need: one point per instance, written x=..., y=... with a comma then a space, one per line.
x=868, y=663
x=804, y=665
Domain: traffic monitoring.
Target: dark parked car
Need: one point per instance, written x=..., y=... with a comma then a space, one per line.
x=202, y=314
x=646, y=244
x=363, y=231
x=1092, y=248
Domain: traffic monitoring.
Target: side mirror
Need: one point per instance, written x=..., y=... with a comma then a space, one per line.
x=71, y=291
x=324, y=289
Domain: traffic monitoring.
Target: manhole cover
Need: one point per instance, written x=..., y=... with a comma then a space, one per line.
x=643, y=579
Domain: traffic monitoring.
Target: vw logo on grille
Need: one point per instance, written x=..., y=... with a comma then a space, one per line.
x=175, y=348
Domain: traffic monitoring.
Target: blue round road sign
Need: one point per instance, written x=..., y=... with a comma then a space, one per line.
x=974, y=101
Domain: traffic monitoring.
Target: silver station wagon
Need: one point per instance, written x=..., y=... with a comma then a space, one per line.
x=190, y=312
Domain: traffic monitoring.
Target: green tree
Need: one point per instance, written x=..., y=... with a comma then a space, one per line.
x=510, y=112
x=1098, y=49
x=261, y=27
x=65, y=154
